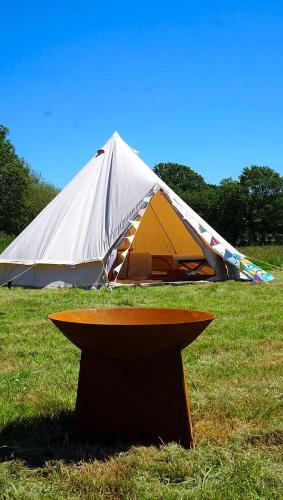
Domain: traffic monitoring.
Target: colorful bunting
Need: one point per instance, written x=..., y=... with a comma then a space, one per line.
x=252, y=271
x=141, y=212
x=214, y=241
x=237, y=255
x=201, y=229
x=242, y=265
x=147, y=199
x=135, y=224
x=125, y=253
x=118, y=268
x=257, y=279
x=227, y=254
x=130, y=238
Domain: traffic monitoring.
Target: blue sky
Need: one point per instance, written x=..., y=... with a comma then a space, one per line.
x=196, y=82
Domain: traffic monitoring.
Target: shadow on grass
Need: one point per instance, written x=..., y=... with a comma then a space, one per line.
x=37, y=440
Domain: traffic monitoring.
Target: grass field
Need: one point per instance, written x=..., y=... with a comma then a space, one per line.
x=235, y=388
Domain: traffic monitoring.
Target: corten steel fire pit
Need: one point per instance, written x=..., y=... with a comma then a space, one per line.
x=131, y=383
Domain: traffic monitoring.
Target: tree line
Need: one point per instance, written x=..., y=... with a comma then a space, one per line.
x=245, y=211
x=23, y=192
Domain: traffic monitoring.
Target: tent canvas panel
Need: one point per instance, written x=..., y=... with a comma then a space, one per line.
x=161, y=231
x=86, y=275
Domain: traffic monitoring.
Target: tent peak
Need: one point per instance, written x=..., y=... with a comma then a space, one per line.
x=116, y=134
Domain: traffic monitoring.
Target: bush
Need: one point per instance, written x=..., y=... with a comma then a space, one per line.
x=5, y=240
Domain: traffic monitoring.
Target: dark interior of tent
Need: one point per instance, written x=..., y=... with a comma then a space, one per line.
x=163, y=250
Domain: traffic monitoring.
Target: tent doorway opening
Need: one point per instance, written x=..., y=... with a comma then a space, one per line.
x=163, y=249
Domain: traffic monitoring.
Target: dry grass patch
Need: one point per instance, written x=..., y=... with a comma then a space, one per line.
x=219, y=430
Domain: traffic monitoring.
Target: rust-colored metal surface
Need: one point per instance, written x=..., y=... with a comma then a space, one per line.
x=131, y=383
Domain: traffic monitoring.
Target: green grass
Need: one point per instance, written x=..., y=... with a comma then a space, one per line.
x=235, y=389
x=265, y=256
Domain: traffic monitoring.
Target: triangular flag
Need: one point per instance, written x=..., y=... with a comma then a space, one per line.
x=201, y=229
x=227, y=254
x=147, y=199
x=237, y=255
x=257, y=279
x=135, y=224
x=141, y=212
x=117, y=269
x=130, y=238
x=214, y=241
x=125, y=253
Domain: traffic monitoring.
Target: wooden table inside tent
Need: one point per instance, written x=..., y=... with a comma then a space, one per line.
x=188, y=260
x=132, y=385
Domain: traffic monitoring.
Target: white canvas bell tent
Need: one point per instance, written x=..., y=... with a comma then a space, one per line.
x=117, y=220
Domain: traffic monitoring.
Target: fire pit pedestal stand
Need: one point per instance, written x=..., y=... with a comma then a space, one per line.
x=131, y=383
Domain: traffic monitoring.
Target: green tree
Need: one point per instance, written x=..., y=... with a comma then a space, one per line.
x=204, y=202
x=23, y=193
x=40, y=193
x=14, y=182
x=179, y=177
x=231, y=222
x=192, y=188
x=263, y=190
x=8, y=154
x=13, y=198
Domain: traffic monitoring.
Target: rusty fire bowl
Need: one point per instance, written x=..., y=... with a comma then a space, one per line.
x=131, y=333
x=131, y=384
